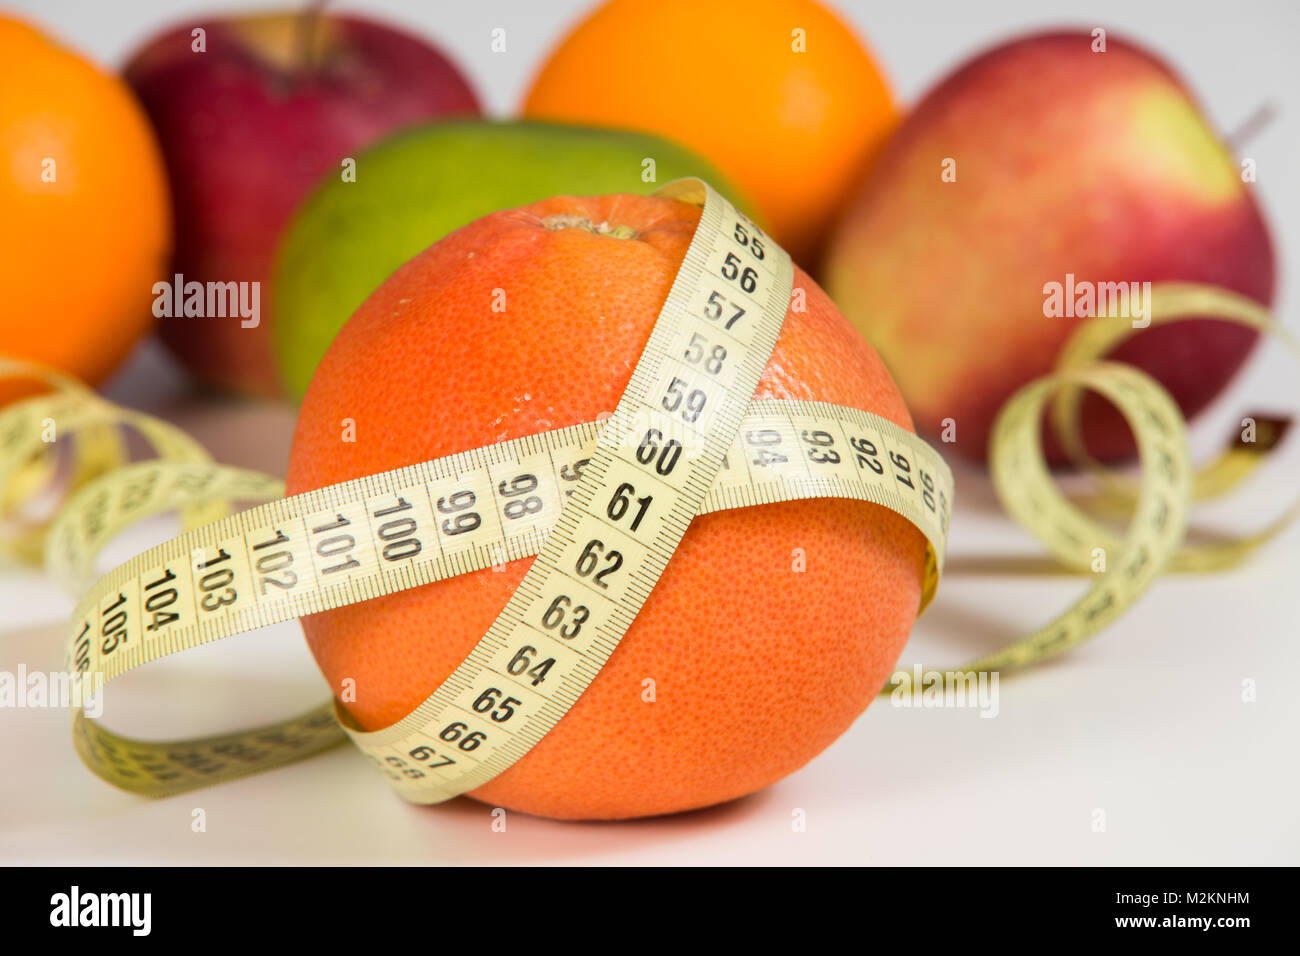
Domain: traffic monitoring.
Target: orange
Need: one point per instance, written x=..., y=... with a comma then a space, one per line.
x=757, y=666
x=779, y=94
x=86, y=224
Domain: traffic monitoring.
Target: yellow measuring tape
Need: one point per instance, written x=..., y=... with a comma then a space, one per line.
x=602, y=505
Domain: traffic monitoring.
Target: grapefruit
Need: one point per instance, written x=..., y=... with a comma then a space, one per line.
x=757, y=665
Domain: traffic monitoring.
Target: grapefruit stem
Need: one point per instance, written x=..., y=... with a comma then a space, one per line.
x=570, y=221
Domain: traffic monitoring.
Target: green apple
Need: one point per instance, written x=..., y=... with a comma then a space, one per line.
x=414, y=188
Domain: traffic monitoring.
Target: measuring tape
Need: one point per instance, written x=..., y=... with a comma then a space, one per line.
x=1172, y=302
x=602, y=505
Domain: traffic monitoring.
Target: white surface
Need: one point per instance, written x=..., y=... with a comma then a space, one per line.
x=1146, y=722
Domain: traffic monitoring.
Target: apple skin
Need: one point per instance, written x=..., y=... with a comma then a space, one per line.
x=248, y=128
x=1067, y=161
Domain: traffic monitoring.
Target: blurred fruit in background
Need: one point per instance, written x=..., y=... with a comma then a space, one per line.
x=83, y=204
x=778, y=93
x=1038, y=161
x=414, y=188
x=429, y=366
x=248, y=127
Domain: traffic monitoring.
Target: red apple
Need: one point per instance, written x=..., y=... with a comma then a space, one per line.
x=251, y=113
x=1048, y=163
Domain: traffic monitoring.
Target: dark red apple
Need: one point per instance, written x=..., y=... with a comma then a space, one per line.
x=251, y=112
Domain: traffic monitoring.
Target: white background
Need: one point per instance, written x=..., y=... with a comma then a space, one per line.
x=1145, y=723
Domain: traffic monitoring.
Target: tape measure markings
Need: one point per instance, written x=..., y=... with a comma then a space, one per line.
x=281, y=516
